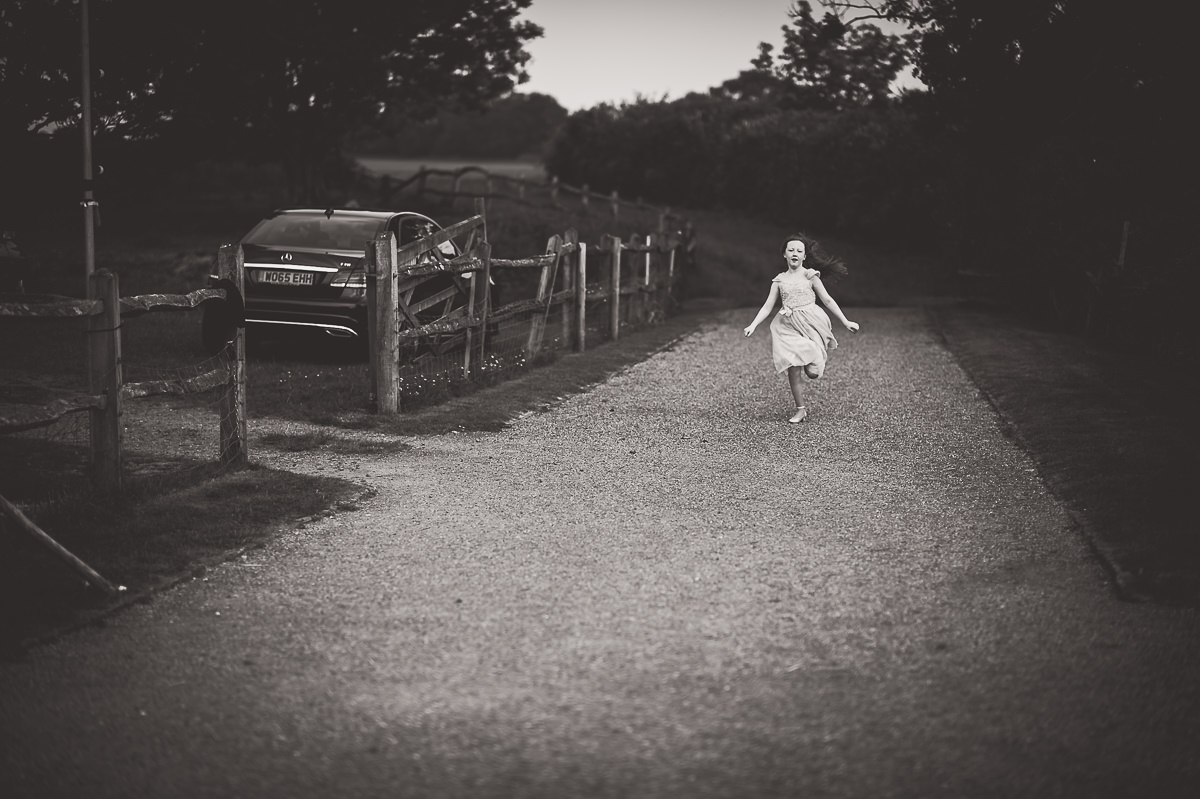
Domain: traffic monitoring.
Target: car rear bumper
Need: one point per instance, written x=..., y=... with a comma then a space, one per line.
x=348, y=321
x=336, y=331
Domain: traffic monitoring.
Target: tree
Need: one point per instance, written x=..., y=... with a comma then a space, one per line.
x=1076, y=121
x=30, y=70
x=758, y=84
x=283, y=80
x=1018, y=75
x=827, y=65
x=513, y=126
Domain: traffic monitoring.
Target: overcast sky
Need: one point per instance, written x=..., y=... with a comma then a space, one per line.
x=596, y=51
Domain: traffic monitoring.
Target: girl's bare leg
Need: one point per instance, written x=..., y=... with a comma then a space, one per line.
x=795, y=380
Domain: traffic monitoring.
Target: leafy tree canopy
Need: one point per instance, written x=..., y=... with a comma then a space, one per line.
x=1106, y=83
x=1069, y=61
x=516, y=125
x=283, y=79
x=824, y=65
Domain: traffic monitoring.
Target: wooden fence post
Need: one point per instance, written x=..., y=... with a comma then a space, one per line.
x=615, y=202
x=104, y=371
x=649, y=289
x=231, y=266
x=387, y=354
x=537, y=324
x=615, y=288
x=479, y=303
x=581, y=300
x=481, y=210
x=468, y=333
x=671, y=275
x=568, y=272
x=371, y=266
x=479, y=297
x=635, y=301
x=554, y=190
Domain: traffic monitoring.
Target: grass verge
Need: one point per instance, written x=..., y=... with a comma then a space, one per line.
x=153, y=534
x=1110, y=440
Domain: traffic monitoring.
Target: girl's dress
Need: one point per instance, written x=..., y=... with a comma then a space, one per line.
x=801, y=333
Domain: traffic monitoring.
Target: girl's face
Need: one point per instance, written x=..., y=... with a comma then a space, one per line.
x=793, y=253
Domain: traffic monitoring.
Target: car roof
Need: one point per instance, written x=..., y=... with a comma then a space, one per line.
x=358, y=213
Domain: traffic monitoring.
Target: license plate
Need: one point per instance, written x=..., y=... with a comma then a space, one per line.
x=287, y=278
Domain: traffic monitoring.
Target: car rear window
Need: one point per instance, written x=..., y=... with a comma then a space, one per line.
x=316, y=231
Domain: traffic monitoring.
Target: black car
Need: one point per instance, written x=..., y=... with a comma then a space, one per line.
x=305, y=270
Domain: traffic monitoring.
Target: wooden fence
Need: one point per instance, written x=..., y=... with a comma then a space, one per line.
x=480, y=183
x=638, y=281
x=107, y=389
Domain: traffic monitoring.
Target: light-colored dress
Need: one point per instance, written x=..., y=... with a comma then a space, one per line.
x=801, y=333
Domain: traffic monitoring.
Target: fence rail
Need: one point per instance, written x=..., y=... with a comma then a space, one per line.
x=17, y=417
x=105, y=361
x=41, y=305
x=518, y=190
x=639, y=292
x=108, y=390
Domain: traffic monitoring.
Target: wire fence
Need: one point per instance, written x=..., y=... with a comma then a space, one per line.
x=78, y=416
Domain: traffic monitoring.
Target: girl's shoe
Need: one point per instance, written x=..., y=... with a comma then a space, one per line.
x=800, y=415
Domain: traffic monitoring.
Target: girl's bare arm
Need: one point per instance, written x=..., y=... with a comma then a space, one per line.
x=765, y=311
x=829, y=303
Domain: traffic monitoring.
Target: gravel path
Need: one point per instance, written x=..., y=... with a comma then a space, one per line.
x=655, y=589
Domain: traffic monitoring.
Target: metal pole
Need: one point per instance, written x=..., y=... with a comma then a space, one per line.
x=89, y=202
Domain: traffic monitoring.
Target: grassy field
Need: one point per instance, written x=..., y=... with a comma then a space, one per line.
x=402, y=168
x=137, y=541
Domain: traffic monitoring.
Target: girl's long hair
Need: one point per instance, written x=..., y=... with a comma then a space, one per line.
x=831, y=267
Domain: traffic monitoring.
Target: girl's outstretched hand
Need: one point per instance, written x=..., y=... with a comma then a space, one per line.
x=749, y=330
x=852, y=326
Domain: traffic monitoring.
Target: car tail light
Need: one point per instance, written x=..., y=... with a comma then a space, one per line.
x=354, y=279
